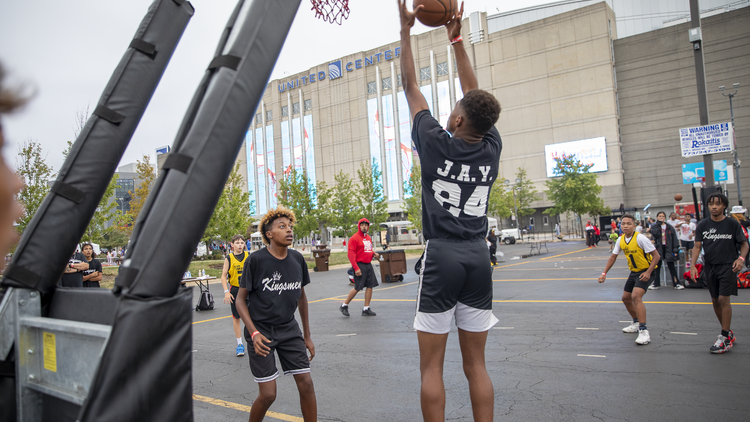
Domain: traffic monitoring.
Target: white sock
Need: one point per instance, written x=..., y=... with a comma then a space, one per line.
x=344, y=305
x=365, y=308
x=239, y=340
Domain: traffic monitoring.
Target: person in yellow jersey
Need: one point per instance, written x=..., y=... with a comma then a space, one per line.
x=232, y=272
x=642, y=258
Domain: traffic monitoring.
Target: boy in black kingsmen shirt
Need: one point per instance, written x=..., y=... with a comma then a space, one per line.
x=271, y=289
x=720, y=236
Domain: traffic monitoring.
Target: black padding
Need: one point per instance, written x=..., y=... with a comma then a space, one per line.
x=84, y=304
x=179, y=162
x=109, y=115
x=225, y=61
x=143, y=46
x=67, y=191
x=22, y=275
x=126, y=276
x=180, y=2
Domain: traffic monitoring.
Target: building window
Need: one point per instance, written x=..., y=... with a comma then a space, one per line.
x=545, y=220
x=295, y=108
x=372, y=88
x=308, y=105
x=258, y=118
x=424, y=73
x=399, y=80
x=269, y=115
x=387, y=83
x=442, y=69
x=284, y=111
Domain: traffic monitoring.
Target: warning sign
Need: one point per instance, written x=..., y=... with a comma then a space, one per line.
x=50, y=351
x=704, y=140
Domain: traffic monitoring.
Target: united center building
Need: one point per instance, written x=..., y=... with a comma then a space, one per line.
x=561, y=74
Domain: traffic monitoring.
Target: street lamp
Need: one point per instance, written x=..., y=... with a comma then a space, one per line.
x=736, y=163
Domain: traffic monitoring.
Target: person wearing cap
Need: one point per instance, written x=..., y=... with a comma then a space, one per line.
x=360, y=253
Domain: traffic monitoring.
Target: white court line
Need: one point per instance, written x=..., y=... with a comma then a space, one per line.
x=591, y=356
x=503, y=328
x=687, y=334
x=344, y=335
x=626, y=321
x=583, y=328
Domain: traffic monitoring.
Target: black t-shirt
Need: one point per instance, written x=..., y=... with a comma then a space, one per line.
x=273, y=285
x=74, y=279
x=456, y=179
x=720, y=239
x=94, y=265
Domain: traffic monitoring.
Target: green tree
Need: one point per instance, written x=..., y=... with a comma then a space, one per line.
x=323, y=212
x=107, y=218
x=526, y=193
x=412, y=205
x=232, y=213
x=500, y=202
x=370, y=195
x=146, y=177
x=574, y=189
x=35, y=173
x=298, y=193
x=344, y=210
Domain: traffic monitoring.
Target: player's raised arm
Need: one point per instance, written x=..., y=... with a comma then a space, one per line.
x=414, y=96
x=465, y=72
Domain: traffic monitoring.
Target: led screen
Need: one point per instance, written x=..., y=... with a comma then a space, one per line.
x=588, y=151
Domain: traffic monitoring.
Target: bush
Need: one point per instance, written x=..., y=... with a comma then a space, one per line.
x=216, y=255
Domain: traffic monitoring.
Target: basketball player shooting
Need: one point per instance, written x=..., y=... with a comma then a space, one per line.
x=458, y=169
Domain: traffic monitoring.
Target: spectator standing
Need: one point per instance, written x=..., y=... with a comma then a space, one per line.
x=687, y=237
x=73, y=275
x=597, y=235
x=360, y=253
x=589, y=234
x=493, y=246
x=738, y=213
x=93, y=275
x=664, y=236
x=673, y=221
x=231, y=273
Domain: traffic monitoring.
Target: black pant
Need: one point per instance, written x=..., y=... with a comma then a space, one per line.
x=670, y=265
x=493, y=251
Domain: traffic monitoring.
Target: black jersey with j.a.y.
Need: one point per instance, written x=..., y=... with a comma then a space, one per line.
x=456, y=179
x=274, y=285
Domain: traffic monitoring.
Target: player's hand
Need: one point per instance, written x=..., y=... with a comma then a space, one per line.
x=645, y=276
x=228, y=298
x=407, y=17
x=376, y=255
x=358, y=273
x=693, y=273
x=454, y=25
x=738, y=265
x=259, y=345
x=602, y=278
x=310, y=346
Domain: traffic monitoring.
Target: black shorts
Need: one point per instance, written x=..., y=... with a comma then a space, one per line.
x=287, y=342
x=455, y=280
x=233, y=290
x=91, y=284
x=720, y=279
x=367, y=279
x=687, y=244
x=634, y=280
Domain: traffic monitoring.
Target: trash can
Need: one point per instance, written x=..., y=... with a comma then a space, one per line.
x=392, y=265
x=681, y=265
x=321, y=259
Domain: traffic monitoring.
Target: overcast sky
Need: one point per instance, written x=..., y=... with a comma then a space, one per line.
x=66, y=51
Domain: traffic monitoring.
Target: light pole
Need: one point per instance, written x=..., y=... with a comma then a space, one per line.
x=736, y=163
x=515, y=205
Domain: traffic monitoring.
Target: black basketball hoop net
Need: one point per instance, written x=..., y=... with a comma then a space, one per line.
x=331, y=10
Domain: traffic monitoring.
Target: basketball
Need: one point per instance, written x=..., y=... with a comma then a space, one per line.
x=678, y=197
x=436, y=12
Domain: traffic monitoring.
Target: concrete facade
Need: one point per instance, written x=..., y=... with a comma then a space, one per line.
x=658, y=95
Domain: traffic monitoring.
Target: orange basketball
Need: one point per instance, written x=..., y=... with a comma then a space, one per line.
x=678, y=197
x=436, y=12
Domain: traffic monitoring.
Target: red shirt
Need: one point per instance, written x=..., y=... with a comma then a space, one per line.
x=360, y=249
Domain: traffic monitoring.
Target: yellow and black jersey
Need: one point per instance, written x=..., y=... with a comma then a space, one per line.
x=638, y=259
x=235, y=268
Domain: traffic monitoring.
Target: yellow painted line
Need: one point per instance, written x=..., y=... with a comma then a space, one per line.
x=513, y=265
x=560, y=279
x=244, y=408
x=212, y=319
x=563, y=254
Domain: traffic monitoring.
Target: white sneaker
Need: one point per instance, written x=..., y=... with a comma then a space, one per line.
x=643, y=338
x=632, y=328
x=652, y=287
x=679, y=287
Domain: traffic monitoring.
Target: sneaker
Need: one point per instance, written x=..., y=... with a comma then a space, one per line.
x=732, y=338
x=368, y=312
x=344, y=310
x=722, y=345
x=652, y=287
x=632, y=328
x=643, y=338
x=240, y=350
x=679, y=287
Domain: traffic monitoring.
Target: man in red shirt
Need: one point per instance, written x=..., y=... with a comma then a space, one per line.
x=360, y=253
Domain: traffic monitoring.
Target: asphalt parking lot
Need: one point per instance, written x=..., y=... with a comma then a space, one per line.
x=557, y=354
